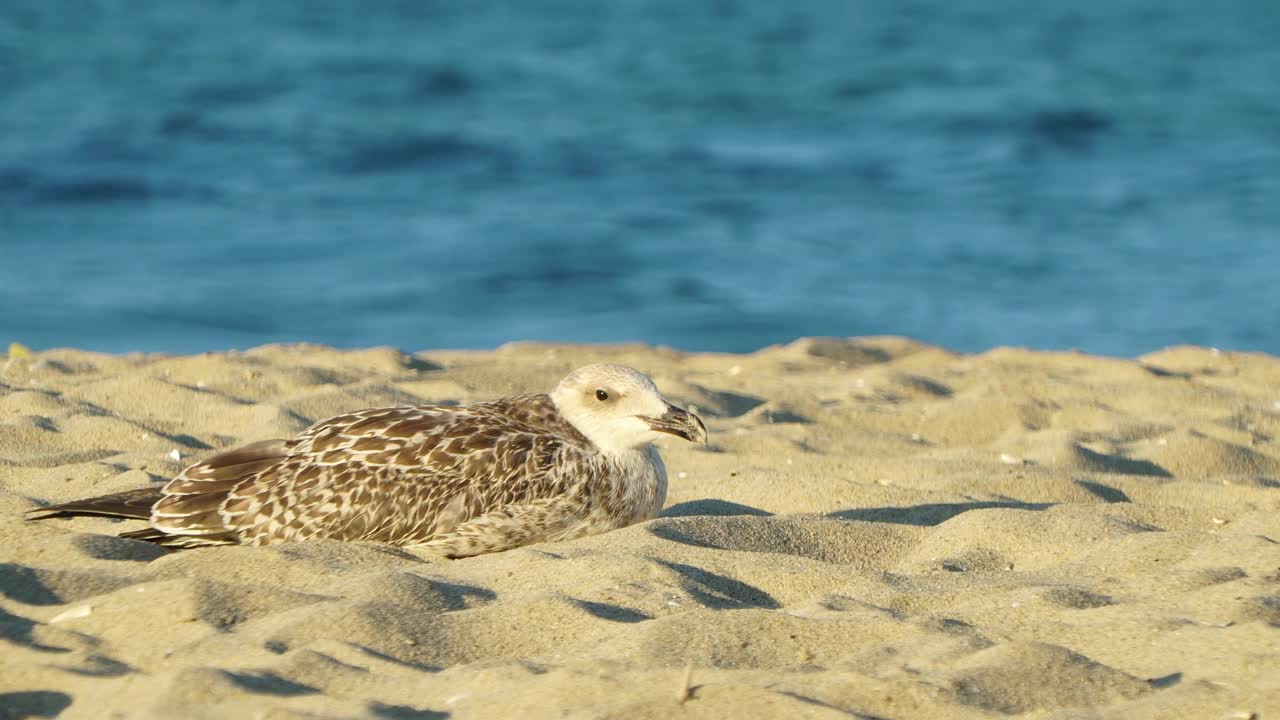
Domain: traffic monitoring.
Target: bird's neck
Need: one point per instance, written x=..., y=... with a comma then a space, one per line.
x=630, y=455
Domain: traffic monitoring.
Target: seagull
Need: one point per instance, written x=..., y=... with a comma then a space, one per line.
x=456, y=481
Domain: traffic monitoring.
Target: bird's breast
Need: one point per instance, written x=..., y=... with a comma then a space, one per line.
x=640, y=486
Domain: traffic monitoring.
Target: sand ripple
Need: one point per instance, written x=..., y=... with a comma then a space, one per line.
x=879, y=528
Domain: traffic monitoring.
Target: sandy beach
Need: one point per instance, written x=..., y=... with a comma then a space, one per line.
x=877, y=529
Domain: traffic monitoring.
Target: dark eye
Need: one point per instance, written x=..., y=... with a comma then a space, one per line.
x=602, y=395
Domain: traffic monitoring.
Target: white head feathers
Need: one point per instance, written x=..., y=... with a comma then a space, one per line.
x=620, y=409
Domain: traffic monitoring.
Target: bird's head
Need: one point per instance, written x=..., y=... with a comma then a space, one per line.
x=618, y=408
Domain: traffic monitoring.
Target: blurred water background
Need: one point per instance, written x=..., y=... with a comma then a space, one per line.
x=188, y=176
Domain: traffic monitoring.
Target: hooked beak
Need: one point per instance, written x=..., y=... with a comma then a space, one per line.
x=680, y=423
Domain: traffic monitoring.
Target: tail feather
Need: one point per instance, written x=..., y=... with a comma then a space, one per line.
x=134, y=504
x=186, y=509
x=163, y=539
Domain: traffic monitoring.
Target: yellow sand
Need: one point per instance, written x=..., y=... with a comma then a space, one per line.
x=879, y=528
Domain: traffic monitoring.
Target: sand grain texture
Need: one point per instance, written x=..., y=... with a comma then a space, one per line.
x=878, y=529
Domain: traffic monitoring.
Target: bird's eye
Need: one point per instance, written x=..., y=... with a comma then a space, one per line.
x=602, y=395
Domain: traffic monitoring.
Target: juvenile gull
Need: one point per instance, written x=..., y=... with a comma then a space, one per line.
x=454, y=480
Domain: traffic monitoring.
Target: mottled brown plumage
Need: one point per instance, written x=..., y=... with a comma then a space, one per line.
x=455, y=480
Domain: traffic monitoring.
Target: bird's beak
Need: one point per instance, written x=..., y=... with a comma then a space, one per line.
x=680, y=423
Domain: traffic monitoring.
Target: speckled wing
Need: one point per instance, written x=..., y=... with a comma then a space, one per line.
x=396, y=475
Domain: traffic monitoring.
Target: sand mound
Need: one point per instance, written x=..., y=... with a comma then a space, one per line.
x=878, y=528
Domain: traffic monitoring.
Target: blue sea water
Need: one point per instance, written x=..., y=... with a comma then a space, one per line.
x=187, y=176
